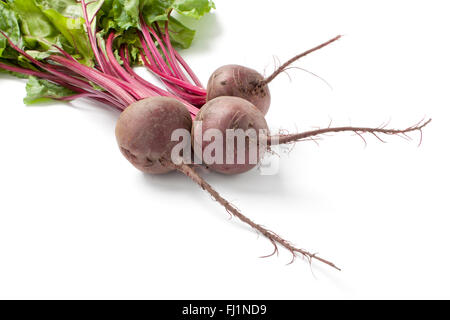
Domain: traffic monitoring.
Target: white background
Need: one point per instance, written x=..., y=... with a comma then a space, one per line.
x=78, y=221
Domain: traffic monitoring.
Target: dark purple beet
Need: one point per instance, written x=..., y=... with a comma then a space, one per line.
x=144, y=131
x=238, y=81
x=231, y=113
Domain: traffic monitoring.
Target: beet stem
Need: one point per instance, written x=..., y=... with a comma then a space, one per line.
x=113, y=85
x=171, y=56
x=126, y=63
x=166, y=65
x=92, y=40
x=189, y=71
x=272, y=236
x=169, y=79
x=138, y=88
x=161, y=64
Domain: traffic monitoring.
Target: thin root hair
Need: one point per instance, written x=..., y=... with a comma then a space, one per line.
x=309, y=72
x=285, y=65
x=360, y=131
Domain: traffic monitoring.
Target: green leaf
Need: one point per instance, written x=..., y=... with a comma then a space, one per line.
x=45, y=23
x=180, y=35
x=193, y=8
x=67, y=17
x=39, y=90
x=124, y=14
x=156, y=10
x=73, y=31
x=34, y=24
x=9, y=24
x=68, y=8
x=119, y=15
x=39, y=55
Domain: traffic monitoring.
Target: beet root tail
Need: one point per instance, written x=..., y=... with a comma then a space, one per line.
x=309, y=135
x=274, y=238
x=285, y=65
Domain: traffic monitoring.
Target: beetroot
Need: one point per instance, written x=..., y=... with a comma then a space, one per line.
x=239, y=81
x=240, y=126
x=246, y=83
x=144, y=131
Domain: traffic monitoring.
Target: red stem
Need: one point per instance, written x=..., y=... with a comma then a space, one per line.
x=192, y=109
x=109, y=83
x=189, y=70
x=141, y=90
x=161, y=64
x=168, y=69
x=174, y=80
x=126, y=63
x=171, y=56
x=101, y=61
x=81, y=92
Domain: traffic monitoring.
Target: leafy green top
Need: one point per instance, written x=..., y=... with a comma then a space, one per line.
x=40, y=26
